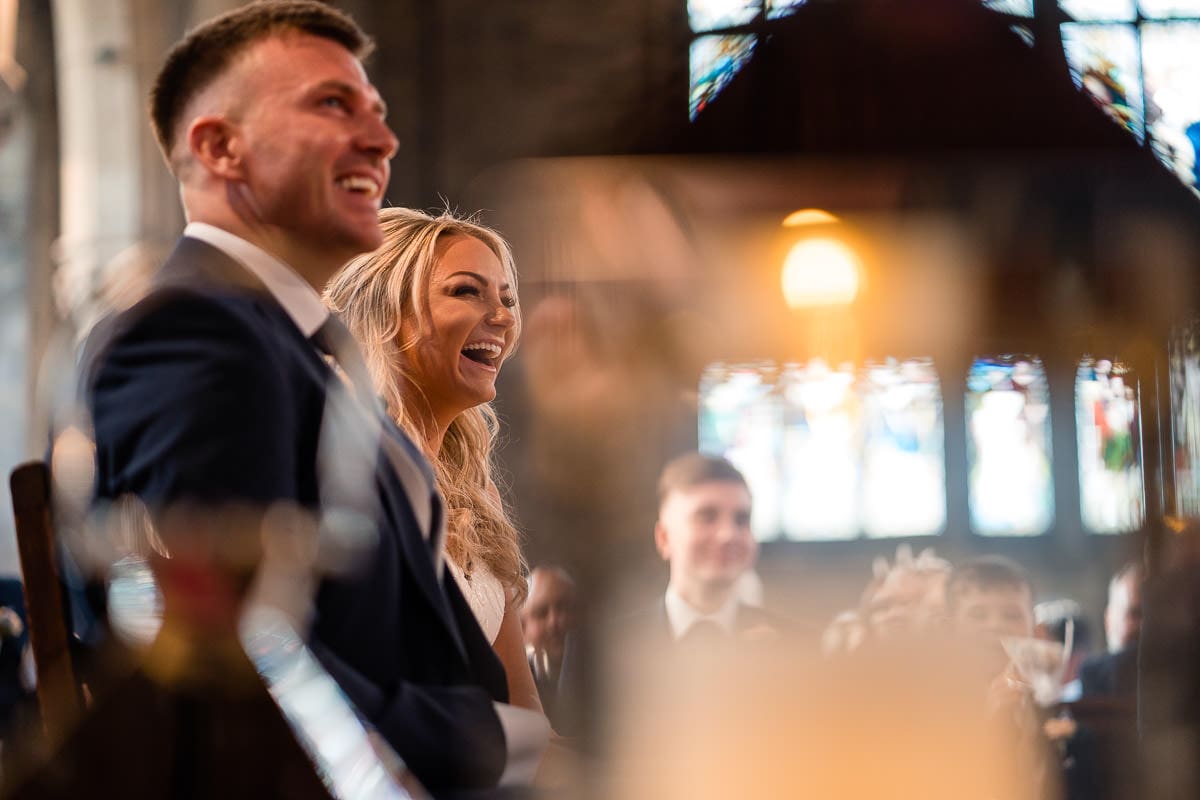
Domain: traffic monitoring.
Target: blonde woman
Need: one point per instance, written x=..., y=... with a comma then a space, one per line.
x=435, y=310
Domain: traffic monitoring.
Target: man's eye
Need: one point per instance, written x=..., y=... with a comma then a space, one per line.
x=335, y=101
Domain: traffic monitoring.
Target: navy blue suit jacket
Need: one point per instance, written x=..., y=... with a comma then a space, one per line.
x=207, y=392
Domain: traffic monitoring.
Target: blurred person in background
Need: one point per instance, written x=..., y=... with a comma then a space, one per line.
x=1062, y=621
x=906, y=597
x=989, y=603
x=1107, y=763
x=1168, y=703
x=990, y=597
x=703, y=533
x=14, y=640
x=1114, y=674
x=435, y=309
x=547, y=618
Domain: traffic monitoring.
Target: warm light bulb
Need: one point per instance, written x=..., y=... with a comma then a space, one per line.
x=820, y=272
x=808, y=216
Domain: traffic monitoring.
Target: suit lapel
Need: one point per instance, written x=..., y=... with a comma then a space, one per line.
x=198, y=265
x=415, y=545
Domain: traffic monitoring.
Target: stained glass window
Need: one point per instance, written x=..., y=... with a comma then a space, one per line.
x=1104, y=62
x=1171, y=60
x=821, y=452
x=832, y=453
x=781, y=8
x=1161, y=9
x=1139, y=59
x=1010, y=487
x=1106, y=10
x=1019, y=8
x=904, y=460
x=1184, y=356
x=1107, y=425
x=741, y=418
x=711, y=15
x=715, y=59
x=1142, y=74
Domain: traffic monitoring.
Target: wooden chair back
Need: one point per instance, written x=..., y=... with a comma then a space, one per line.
x=58, y=690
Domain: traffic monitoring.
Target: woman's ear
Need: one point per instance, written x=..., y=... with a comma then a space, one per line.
x=215, y=143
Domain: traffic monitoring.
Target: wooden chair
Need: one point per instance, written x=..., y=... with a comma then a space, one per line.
x=57, y=690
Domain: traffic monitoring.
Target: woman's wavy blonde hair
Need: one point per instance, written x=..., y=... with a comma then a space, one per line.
x=372, y=294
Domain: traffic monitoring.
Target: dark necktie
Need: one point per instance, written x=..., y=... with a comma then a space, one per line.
x=335, y=340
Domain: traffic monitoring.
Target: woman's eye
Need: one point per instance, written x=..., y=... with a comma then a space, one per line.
x=509, y=302
x=465, y=290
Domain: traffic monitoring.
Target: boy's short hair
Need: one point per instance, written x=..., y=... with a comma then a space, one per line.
x=985, y=572
x=208, y=50
x=693, y=469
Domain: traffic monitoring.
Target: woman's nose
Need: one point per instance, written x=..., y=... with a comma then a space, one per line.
x=504, y=316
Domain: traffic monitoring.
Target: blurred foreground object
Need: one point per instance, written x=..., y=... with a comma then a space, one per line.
x=771, y=721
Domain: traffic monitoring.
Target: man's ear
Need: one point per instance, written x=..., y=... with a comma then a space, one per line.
x=662, y=541
x=215, y=143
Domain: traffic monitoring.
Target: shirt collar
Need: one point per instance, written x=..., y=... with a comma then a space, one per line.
x=683, y=616
x=296, y=295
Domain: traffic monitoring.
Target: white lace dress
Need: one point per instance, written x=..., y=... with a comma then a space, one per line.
x=485, y=594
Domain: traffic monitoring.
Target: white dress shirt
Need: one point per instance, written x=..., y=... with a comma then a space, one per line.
x=525, y=732
x=682, y=616
x=297, y=296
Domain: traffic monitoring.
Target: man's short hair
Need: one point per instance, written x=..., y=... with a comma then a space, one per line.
x=210, y=48
x=1133, y=570
x=693, y=469
x=985, y=573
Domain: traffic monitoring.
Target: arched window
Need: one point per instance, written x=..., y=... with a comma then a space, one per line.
x=1139, y=59
x=832, y=453
x=1010, y=486
x=1184, y=355
x=1108, y=431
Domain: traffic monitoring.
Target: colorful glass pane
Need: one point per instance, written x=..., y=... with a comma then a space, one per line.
x=1171, y=61
x=1104, y=63
x=781, y=8
x=1019, y=8
x=822, y=418
x=1184, y=356
x=711, y=15
x=1010, y=488
x=714, y=60
x=1108, y=433
x=741, y=418
x=832, y=454
x=1164, y=9
x=1023, y=33
x=903, y=460
x=1100, y=10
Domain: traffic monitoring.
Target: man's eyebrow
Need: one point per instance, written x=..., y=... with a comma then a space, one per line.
x=349, y=90
x=504, y=287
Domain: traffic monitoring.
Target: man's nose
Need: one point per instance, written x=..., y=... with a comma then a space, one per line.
x=728, y=530
x=557, y=620
x=375, y=136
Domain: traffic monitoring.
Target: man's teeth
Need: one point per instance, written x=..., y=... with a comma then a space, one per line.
x=357, y=183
